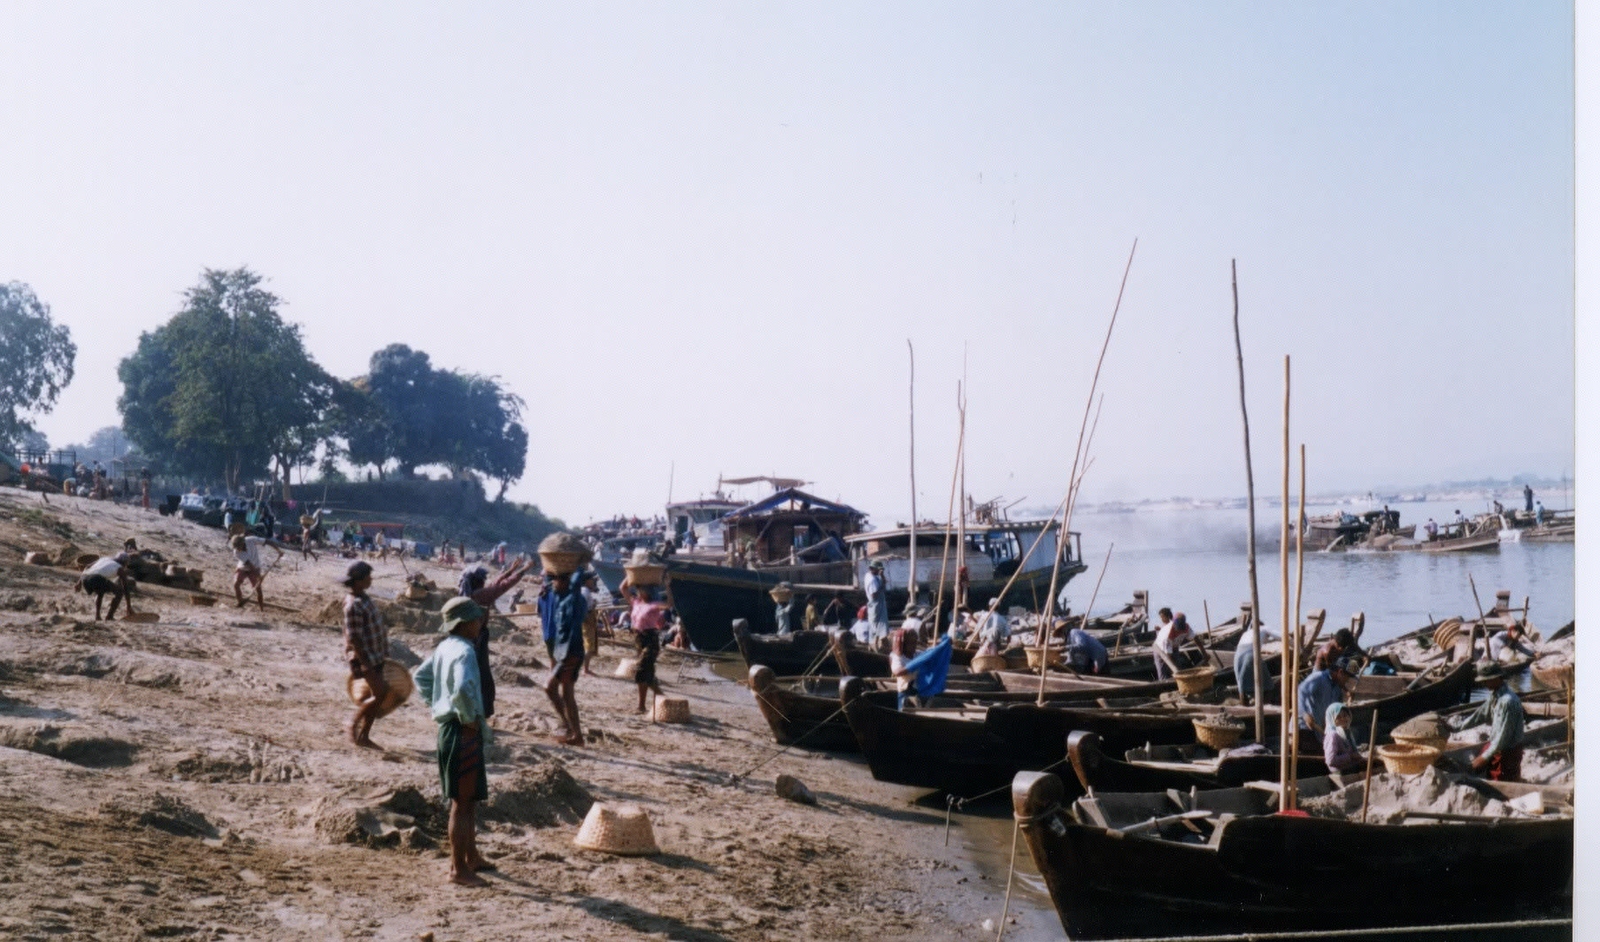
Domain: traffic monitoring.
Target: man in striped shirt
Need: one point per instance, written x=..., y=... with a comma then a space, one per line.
x=366, y=645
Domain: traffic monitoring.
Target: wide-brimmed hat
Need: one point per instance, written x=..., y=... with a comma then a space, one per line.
x=360, y=569
x=875, y=564
x=1489, y=670
x=458, y=611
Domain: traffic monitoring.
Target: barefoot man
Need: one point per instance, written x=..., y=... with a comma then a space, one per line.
x=106, y=575
x=247, y=550
x=366, y=643
x=561, y=610
x=451, y=687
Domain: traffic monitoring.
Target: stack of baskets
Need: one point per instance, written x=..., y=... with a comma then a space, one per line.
x=563, y=554
x=1218, y=734
x=1195, y=680
x=1407, y=758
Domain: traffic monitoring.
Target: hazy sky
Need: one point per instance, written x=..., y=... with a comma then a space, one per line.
x=697, y=236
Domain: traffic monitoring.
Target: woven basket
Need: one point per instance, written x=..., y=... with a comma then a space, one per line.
x=988, y=662
x=617, y=829
x=1555, y=678
x=1195, y=680
x=781, y=594
x=1216, y=735
x=1446, y=634
x=1035, y=657
x=307, y=520
x=563, y=553
x=625, y=668
x=1431, y=742
x=206, y=600
x=85, y=559
x=398, y=679
x=642, y=574
x=1407, y=759
x=672, y=710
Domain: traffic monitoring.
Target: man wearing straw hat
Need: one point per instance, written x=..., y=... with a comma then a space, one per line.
x=453, y=690
x=366, y=644
x=1501, y=757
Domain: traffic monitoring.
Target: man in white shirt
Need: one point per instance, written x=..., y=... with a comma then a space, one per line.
x=1172, y=636
x=877, y=589
x=247, y=553
x=106, y=575
x=1509, y=642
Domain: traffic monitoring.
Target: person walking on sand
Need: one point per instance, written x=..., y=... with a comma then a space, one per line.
x=561, y=609
x=366, y=645
x=452, y=688
x=247, y=552
x=476, y=586
x=591, y=620
x=648, y=618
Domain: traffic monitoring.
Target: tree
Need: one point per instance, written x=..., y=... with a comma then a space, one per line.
x=225, y=386
x=105, y=445
x=36, y=358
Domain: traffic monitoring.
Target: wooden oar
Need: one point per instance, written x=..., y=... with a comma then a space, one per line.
x=1372, y=753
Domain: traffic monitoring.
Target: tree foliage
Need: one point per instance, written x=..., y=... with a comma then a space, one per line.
x=226, y=386
x=36, y=359
x=407, y=411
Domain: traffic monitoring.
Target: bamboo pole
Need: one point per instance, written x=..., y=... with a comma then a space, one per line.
x=960, y=596
x=944, y=563
x=1291, y=638
x=911, y=577
x=1372, y=753
x=1250, y=537
x=1299, y=586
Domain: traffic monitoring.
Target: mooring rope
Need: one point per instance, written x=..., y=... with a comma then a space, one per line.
x=735, y=779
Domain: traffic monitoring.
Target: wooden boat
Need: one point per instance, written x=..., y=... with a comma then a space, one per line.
x=1135, y=865
x=807, y=710
x=974, y=749
x=852, y=660
x=1155, y=768
x=802, y=652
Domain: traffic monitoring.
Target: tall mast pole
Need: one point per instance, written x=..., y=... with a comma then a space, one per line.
x=1250, y=537
x=911, y=578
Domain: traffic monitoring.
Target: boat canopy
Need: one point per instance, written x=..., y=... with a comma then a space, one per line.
x=799, y=500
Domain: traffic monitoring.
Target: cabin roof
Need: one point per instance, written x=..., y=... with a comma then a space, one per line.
x=776, y=501
x=939, y=530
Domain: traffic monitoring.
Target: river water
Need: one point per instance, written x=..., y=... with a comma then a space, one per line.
x=1191, y=559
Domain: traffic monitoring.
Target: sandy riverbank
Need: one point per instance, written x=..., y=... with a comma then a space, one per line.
x=191, y=779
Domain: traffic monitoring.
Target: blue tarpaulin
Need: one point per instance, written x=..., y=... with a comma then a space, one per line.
x=931, y=668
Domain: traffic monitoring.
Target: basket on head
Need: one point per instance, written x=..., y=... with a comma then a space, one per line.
x=617, y=829
x=781, y=593
x=672, y=710
x=626, y=668
x=395, y=676
x=645, y=573
x=1218, y=736
x=563, y=554
x=206, y=600
x=988, y=662
x=1036, y=657
x=1407, y=758
x=307, y=520
x=1195, y=680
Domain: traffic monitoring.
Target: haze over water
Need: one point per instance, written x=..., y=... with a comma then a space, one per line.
x=1186, y=558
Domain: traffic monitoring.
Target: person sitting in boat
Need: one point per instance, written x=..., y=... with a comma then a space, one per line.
x=1509, y=643
x=835, y=615
x=902, y=648
x=1342, y=644
x=1501, y=757
x=862, y=629
x=1174, y=633
x=1085, y=652
x=1338, y=749
x=993, y=634
x=1321, y=690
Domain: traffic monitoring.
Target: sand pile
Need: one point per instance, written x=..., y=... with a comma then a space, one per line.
x=162, y=812
x=541, y=796
x=1431, y=791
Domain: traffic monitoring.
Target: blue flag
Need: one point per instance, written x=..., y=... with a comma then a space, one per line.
x=931, y=668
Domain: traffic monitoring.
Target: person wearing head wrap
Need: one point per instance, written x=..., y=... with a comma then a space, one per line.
x=1338, y=749
x=476, y=585
x=452, y=689
x=1171, y=636
x=1321, y=689
x=366, y=647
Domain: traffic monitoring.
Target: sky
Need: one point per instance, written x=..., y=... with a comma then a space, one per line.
x=697, y=237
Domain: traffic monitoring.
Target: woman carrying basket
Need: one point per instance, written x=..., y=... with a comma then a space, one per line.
x=648, y=617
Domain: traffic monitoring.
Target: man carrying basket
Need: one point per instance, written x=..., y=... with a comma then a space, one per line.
x=366, y=643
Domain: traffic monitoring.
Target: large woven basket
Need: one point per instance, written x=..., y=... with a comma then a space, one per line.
x=1036, y=657
x=672, y=710
x=563, y=553
x=781, y=594
x=643, y=574
x=617, y=829
x=1432, y=742
x=988, y=662
x=1195, y=680
x=1406, y=758
x=626, y=668
x=398, y=679
x=1218, y=736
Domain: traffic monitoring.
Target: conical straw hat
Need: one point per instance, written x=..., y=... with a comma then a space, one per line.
x=617, y=829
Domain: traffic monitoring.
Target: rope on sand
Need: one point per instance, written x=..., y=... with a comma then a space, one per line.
x=735, y=779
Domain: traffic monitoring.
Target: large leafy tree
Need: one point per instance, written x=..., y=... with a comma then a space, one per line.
x=226, y=386
x=36, y=358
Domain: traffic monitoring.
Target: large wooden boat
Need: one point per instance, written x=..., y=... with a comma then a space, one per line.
x=807, y=710
x=1156, y=768
x=801, y=652
x=1146, y=865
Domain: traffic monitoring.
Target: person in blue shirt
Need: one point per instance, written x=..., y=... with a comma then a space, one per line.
x=1087, y=654
x=452, y=690
x=1321, y=690
x=562, y=607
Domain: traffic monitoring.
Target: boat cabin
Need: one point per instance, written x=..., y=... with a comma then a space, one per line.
x=994, y=551
x=789, y=527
